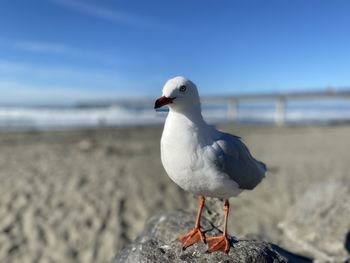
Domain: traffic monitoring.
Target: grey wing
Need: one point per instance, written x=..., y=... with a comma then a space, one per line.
x=237, y=162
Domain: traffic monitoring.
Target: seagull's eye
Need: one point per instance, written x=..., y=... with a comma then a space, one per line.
x=183, y=88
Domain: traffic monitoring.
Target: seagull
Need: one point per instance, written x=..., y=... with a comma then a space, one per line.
x=203, y=160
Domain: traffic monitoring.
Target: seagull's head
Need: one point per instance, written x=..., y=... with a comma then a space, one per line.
x=180, y=94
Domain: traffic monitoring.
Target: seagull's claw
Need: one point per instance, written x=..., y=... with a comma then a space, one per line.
x=192, y=237
x=219, y=243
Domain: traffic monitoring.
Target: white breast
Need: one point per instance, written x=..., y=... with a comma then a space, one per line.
x=186, y=153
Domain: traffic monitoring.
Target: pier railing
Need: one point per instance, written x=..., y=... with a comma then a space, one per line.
x=280, y=100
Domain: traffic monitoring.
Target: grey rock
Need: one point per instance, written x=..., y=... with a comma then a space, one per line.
x=318, y=225
x=158, y=243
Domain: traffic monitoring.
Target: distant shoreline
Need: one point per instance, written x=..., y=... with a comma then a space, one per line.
x=160, y=125
x=64, y=118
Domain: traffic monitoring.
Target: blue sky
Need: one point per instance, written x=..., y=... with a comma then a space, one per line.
x=62, y=51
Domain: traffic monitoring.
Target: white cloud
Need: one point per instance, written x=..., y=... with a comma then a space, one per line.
x=108, y=14
x=16, y=92
x=23, y=82
x=36, y=46
x=20, y=68
x=41, y=47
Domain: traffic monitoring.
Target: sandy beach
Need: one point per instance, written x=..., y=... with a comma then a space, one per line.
x=80, y=196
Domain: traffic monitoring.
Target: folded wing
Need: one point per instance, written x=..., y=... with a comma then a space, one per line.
x=234, y=159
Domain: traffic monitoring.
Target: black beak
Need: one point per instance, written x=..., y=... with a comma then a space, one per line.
x=162, y=101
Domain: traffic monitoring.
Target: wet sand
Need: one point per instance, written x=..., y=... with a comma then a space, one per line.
x=80, y=196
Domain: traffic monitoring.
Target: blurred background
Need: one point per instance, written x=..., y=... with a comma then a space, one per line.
x=80, y=167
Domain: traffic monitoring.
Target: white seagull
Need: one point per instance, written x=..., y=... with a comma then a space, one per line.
x=201, y=159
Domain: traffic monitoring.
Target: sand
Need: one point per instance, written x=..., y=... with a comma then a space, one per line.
x=80, y=196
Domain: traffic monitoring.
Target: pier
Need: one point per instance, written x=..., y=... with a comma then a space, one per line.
x=280, y=100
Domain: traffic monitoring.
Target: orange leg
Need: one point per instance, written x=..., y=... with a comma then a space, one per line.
x=220, y=243
x=195, y=235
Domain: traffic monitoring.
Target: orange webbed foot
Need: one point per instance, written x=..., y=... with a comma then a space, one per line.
x=219, y=243
x=192, y=237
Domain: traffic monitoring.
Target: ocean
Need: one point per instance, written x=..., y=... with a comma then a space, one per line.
x=90, y=116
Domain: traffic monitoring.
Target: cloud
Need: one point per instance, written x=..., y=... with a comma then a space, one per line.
x=35, y=46
x=17, y=92
x=41, y=47
x=32, y=83
x=116, y=16
x=54, y=72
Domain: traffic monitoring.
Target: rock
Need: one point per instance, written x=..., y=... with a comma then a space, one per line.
x=158, y=243
x=318, y=225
